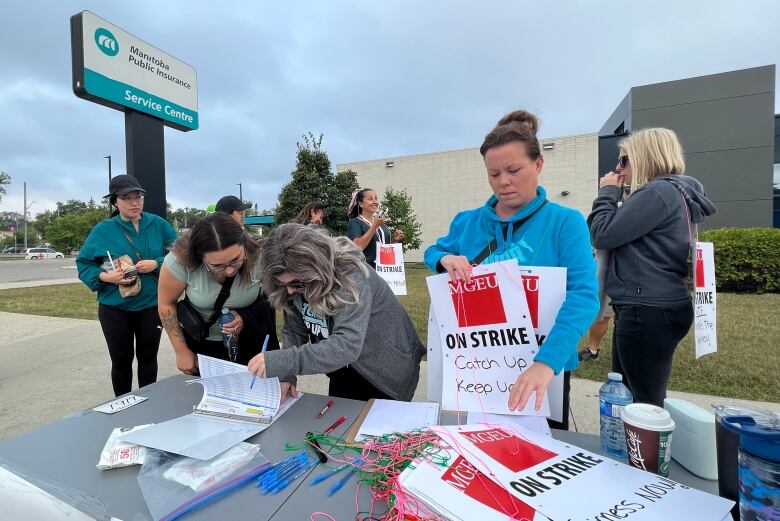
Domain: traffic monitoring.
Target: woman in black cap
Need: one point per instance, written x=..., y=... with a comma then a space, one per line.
x=125, y=311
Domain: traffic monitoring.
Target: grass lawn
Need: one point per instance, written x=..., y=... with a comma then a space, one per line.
x=746, y=365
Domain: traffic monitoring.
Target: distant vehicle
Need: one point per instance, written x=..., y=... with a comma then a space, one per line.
x=42, y=253
x=14, y=249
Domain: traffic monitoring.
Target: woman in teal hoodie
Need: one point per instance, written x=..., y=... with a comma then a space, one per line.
x=145, y=238
x=518, y=222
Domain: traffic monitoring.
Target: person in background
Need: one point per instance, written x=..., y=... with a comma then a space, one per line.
x=524, y=226
x=366, y=226
x=130, y=324
x=650, y=236
x=234, y=207
x=217, y=248
x=600, y=326
x=340, y=319
x=313, y=214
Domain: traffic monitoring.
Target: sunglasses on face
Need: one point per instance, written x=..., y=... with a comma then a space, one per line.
x=623, y=161
x=293, y=284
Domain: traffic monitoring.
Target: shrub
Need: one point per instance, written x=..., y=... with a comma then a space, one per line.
x=747, y=260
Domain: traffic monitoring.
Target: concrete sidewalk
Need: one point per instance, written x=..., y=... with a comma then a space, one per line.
x=53, y=367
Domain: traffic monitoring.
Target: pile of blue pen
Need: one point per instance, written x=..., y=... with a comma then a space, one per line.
x=276, y=478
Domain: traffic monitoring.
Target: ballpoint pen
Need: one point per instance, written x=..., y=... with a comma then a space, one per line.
x=265, y=344
x=340, y=483
x=335, y=424
x=325, y=475
x=325, y=409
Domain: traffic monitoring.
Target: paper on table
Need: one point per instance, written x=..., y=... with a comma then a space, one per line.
x=387, y=416
x=265, y=394
x=210, y=366
x=22, y=500
x=534, y=423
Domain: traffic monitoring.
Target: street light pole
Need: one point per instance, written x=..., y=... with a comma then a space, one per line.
x=26, y=209
x=109, y=167
x=240, y=192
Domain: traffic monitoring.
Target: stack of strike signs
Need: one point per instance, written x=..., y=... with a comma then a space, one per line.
x=500, y=472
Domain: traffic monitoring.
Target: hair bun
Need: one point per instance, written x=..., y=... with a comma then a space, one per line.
x=522, y=118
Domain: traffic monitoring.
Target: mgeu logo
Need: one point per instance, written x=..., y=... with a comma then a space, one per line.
x=479, y=302
x=106, y=42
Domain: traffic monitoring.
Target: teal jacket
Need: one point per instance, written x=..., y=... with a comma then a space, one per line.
x=554, y=236
x=153, y=240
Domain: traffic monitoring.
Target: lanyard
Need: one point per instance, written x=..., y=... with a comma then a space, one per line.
x=380, y=233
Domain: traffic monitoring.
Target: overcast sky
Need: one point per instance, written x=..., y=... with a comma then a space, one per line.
x=379, y=79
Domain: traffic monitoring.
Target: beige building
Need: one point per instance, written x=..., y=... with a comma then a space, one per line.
x=443, y=183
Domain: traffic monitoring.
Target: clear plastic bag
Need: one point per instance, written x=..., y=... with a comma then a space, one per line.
x=170, y=482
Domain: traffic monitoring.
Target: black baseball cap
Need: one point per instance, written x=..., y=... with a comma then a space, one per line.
x=230, y=204
x=124, y=184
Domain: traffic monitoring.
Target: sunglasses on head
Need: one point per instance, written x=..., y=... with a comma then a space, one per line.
x=293, y=284
x=623, y=160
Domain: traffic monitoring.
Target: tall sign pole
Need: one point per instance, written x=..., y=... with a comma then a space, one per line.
x=116, y=69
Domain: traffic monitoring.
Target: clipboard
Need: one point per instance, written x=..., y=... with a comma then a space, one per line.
x=418, y=415
x=349, y=439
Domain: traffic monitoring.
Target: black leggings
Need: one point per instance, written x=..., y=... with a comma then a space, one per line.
x=643, y=343
x=348, y=383
x=120, y=328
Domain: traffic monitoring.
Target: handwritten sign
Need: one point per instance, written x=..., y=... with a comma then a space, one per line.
x=390, y=266
x=487, y=338
x=705, y=299
x=120, y=404
x=562, y=481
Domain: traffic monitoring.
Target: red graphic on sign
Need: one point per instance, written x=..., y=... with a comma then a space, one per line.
x=387, y=255
x=699, y=268
x=514, y=453
x=531, y=286
x=466, y=478
x=479, y=302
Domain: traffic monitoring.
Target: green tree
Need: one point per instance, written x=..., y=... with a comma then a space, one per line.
x=68, y=232
x=313, y=180
x=185, y=217
x=397, y=205
x=5, y=179
x=73, y=207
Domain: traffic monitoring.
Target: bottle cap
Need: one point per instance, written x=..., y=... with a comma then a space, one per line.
x=225, y=311
x=617, y=377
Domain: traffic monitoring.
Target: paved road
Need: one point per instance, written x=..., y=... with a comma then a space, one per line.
x=13, y=271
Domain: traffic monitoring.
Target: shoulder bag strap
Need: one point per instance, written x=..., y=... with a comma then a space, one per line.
x=130, y=240
x=492, y=245
x=224, y=293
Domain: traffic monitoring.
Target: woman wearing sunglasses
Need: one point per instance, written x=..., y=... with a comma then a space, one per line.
x=650, y=237
x=340, y=319
x=217, y=253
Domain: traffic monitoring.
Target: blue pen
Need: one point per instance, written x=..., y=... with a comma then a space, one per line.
x=325, y=475
x=340, y=483
x=283, y=484
x=265, y=344
x=291, y=474
x=282, y=466
x=273, y=477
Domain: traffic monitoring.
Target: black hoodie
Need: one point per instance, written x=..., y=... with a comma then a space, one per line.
x=649, y=236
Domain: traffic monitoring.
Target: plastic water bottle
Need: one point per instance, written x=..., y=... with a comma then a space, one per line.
x=230, y=341
x=613, y=396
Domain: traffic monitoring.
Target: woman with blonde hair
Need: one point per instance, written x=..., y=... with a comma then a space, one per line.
x=650, y=237
x=340, y=319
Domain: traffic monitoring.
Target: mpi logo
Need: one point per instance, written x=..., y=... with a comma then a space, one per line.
x=106, y=42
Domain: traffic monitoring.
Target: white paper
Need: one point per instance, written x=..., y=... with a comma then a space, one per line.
x=209, y=366
x=23, y=501
x=388, y=416
x=120, y=404
x=532, y=423
x=565, y=482
x=265, y=394
x=486, y=336
x=705, y=303
x=434, y=362
x=390, y=266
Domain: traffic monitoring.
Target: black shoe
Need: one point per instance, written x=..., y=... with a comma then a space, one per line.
x=586, y=354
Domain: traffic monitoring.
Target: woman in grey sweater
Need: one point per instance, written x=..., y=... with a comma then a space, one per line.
x=650, y=236
x=340, y=319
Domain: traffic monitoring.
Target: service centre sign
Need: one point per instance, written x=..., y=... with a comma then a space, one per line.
x=114, y=68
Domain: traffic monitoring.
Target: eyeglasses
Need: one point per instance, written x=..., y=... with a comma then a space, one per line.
x=219, y=268
x=293, y=284
x=134, y=199
x=623, y=160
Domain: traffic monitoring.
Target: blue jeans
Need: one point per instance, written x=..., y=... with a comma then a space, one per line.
x=643, y=343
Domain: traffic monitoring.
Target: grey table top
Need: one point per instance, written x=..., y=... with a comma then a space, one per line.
x=67, y=450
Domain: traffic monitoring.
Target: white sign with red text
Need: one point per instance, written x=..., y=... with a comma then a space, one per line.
x=566, y=482
x=486, y=336
x=390, y=266
x=705, y=300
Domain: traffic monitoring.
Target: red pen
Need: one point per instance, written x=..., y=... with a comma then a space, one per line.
x=335, y=424
x=325, y=409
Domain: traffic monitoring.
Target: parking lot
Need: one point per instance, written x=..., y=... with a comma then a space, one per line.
x=21, y=270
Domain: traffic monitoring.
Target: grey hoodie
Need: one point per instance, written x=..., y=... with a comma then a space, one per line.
x=375, y=336
x=649, y=235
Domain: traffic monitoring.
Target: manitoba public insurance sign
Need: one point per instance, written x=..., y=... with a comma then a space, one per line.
x=116, y=69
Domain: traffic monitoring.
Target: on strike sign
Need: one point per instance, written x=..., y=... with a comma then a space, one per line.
x=390, y=266
x=704, y=306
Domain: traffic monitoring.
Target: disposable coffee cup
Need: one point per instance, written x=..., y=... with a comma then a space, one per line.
x=648, y=437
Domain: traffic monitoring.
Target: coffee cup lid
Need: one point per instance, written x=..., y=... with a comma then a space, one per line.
x=646, y=416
